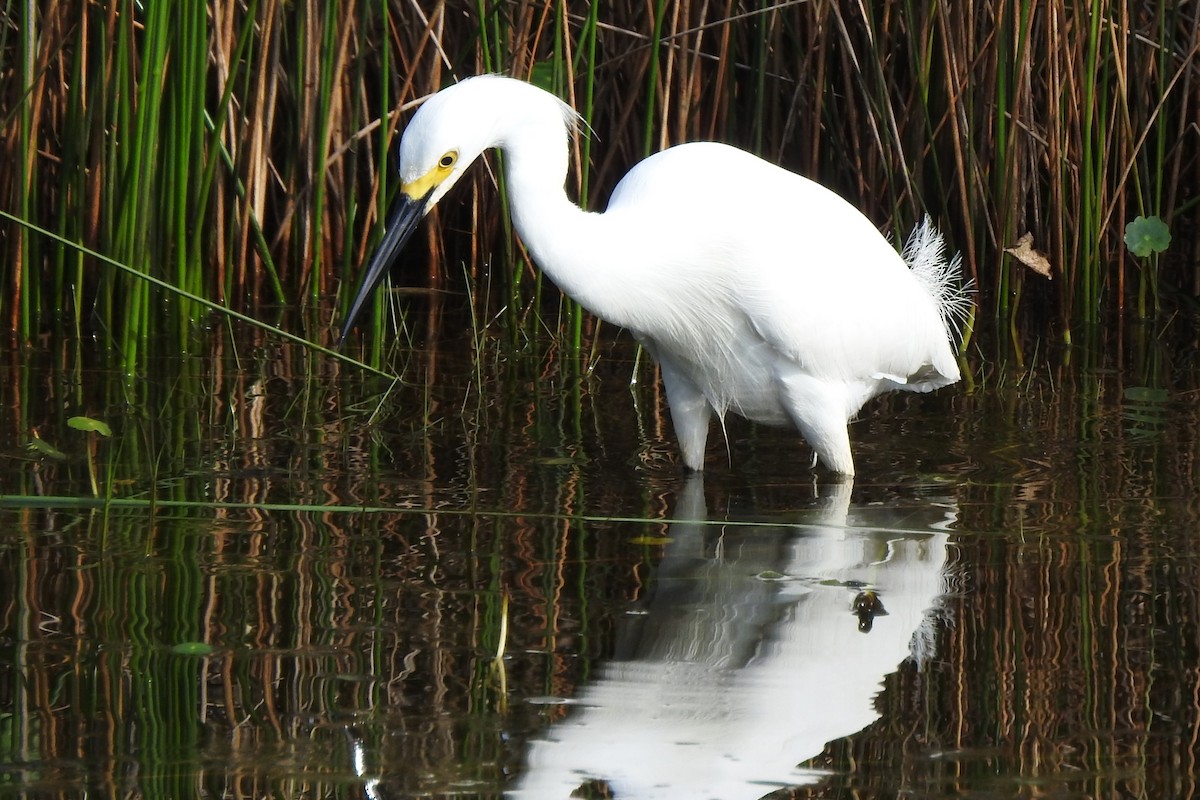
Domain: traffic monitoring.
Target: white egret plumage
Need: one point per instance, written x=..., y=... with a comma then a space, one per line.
x=756, y=290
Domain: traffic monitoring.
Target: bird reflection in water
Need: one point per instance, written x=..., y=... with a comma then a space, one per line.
x=723, y=681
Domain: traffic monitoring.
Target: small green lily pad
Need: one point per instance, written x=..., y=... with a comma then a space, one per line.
x=1146, y=235
x=89, y=424
x=192, y=649
x=41, y=447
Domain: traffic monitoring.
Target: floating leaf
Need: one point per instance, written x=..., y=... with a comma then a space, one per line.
x=650, y=541
x=192, y=649
x=555, y=461
x=89, y=424
x=1146, y=235
x=1023, y=251
x=41, y=447
x=1146, y=394
x=771, y=575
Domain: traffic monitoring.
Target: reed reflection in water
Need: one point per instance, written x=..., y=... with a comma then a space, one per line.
x=522, y=490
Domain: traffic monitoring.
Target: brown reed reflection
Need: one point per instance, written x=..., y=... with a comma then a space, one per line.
x=230, y=633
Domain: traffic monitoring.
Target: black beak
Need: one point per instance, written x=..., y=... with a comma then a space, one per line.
x=399, y=229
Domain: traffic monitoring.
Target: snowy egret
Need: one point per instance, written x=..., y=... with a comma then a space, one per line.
x=756, y=290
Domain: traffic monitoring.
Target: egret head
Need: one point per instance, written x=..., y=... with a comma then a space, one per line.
x=444, y=137
x=437, y=147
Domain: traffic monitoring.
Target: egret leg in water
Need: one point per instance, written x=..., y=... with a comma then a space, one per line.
x=757, y=290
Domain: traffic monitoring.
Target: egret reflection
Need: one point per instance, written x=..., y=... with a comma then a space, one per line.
x=754, y=647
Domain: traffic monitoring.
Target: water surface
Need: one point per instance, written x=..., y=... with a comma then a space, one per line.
x=494, y=578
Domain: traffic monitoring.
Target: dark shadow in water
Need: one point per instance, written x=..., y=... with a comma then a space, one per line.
x=755, y=646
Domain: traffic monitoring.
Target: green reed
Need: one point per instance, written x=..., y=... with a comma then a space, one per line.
x=25, y=260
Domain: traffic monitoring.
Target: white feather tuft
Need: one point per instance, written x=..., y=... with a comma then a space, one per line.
x=925, y=254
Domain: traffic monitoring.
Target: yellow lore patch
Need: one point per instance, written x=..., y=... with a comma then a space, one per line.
x=425, y=184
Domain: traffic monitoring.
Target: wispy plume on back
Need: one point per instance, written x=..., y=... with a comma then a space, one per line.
x=925, y=254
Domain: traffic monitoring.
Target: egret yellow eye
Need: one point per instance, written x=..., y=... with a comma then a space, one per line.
x=447, y=161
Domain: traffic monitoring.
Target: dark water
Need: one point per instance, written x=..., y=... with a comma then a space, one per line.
x=305, y=576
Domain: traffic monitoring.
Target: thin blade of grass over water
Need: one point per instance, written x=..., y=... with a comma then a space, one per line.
x=183, y=294
x=235, y=146
x=150, y=504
